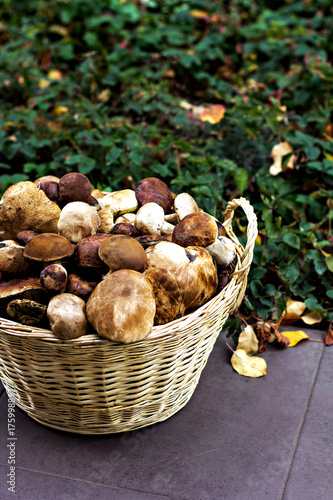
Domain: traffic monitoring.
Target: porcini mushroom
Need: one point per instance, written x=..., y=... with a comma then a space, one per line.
x=48, y=248
x=182, y=278
x=53, y=278
x=26, y=311
x=150, y=220
x=197, y=229
x=184, y=205
x=24, y=206
x=122, y=307
x=223, y=251
x=78, y=220
x=12, y=260
x=119, y=202
x=123, y=252
x=154, y=190
x=74, y=187
x=67, y=317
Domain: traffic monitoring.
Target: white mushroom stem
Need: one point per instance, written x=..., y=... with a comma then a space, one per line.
x=171, y=218
x=128, y=218
x=223, y=251
x=150, y=218
x=184, y=205
x=167, y=228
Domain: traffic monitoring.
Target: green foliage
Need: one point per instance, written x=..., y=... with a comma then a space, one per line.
x=114, y=110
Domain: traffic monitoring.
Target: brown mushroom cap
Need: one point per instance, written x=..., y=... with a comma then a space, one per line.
x=66, y=315
x=24, y=288
x=147, y=240
x=125, y=228
x=48, y=247
x=154, y=190
x=182, y=278
x=198, y=229
x=86, y=250
x=123, y=252
x=78, y=286
x=51, y=189
x=24, y=236
x=74, y=187
x=24, y=206
x=122, y=307
x=45, y=178
x=53, y=278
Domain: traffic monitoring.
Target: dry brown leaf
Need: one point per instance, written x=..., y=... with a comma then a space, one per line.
x=328, y=339
x=248, y=366
x=213, y=114
x=295, y=337
x=278, y=151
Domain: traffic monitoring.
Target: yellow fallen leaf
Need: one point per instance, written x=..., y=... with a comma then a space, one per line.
x=199, y=14
x=312, y=318
x=278, y=151
x=248, y=366
x=213, y=114
x=295, y=307
x=59, y=110
x=295, y=337
x=54, y=74
x=43, y=83
x=248, y=340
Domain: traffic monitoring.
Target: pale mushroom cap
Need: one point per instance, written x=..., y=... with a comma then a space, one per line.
x=12, y=260
x=119, y=202
x=184, y=205
x=223, y=251
x=66, y=315
x=122, y=307
x=78, y=220
x=128, y=218
x=150, y=218
x=24, y=206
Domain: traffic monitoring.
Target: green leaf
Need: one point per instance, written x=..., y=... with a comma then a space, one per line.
x=292, y=239
x=329, y=294
x=241, y=179
x=329, y=263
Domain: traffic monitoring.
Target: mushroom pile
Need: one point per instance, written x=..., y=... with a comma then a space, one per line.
x=75, y=259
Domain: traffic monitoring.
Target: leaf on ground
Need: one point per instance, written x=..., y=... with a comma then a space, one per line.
x=278, y=152
x=248, y=366
x=293, y=312
x=295, y=337
x=213, y=114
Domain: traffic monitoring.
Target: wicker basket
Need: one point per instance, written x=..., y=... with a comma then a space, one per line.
x=95, y=386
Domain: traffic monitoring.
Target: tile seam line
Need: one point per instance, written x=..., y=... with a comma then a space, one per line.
x=95, y=483
x=300, y=430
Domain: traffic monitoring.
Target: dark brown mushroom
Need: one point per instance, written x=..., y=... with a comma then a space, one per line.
x=24, y=236
x=74, y=187
x=26, y=311
x=86, y=251
x=53, y=278
x=154, y=190
x=23, y=288
x=125, y=228
x=80, y=287
x=147, y=240
x=51, y=189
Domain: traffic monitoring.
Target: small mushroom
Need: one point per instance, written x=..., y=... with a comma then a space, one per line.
x=80, y=287
x=197, y=229
x=78, y=220
x=24, y=206
x=154, y=190
x=66, y=315
x=24, y=236
x=107, y=220
x=46, y=178
x=12, y=260
x=125, y=228
x=26, y=311
x=119, y=202
x=48, y=248
x=122, y=307
x=223, y=251
x=150, y=220
x=184, y=205
x=123, y=252
x=74, y=187
x=53, y=278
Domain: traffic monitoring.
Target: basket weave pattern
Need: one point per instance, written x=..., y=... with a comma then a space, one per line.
x=91, y=385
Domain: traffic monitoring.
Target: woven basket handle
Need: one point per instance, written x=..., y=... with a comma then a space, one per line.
x=245, y=259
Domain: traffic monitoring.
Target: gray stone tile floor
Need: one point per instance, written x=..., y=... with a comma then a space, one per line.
x=236, y=439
